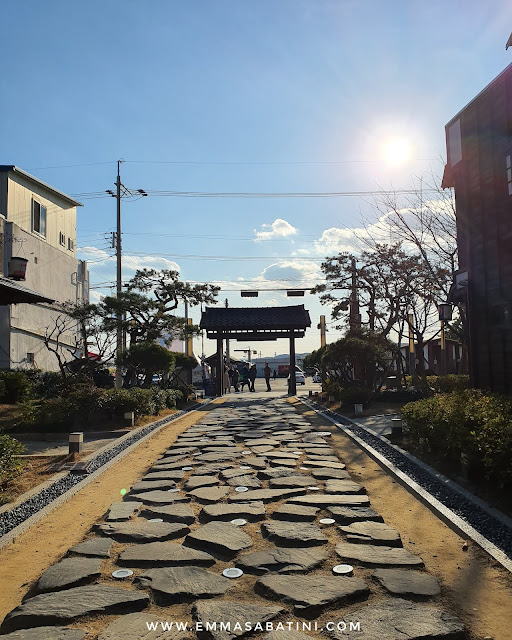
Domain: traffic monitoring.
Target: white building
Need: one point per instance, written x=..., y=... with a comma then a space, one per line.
x=37, y=225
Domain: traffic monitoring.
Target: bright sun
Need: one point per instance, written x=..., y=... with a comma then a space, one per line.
x=397, y=152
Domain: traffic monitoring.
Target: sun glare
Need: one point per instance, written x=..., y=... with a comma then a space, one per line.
x=397, y=152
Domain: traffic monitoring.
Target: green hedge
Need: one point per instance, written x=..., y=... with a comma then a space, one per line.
x=10, y=463
x=348, y=396
x=84, y=404
x=14, y=387
x=467, y=422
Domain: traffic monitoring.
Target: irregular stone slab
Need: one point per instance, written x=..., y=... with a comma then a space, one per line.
x=66, y=606
x=295, y=513
x=153, y=485
x=346, y=515
x=96, y=547
x=170, y=513
x=321, y=452
x=291, y=482
x=311, y=458
x=250, y=511
x=182, y=584
x=406, y=582
x=158, y=497
x=310, y=595
x=209, y=494
x=122, y=511
x=46, y=633
x=266, y=442
x=251, y=461
x=372, y=533
x=401, y=620
x=169, y=464
x=216, y=457
x=165, y=554
x=374, y=556
x=283, y=462
x=234, y=614
x=245, y=481
x=212, y=468
x=285, y=455
x=343, y=486
x=266, y=495
x=163, y=475
x=277, y=472
x=143, y=531
x=179, y=451
x=234, y=473
x=293, y=534
x=325, y=465
x=221, y=538
x=260, y=449
x=279, y=560
x=134, y=626
x=194, y=482
x=70, y=572
x=325, y=474
x=327, y=500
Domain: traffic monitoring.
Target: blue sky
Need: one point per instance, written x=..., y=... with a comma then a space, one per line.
x=267, y=96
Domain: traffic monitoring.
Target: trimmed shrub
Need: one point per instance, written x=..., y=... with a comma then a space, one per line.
x=10, y=463
x=467, y=422
x=17, y=387
x=447, y=384
x=45, y=384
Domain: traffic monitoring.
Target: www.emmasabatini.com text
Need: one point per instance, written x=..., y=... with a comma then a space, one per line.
x=244, y=627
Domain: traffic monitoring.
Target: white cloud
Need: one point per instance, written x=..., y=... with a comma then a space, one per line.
x=278, y=229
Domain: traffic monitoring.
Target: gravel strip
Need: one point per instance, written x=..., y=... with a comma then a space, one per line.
x=16, y=516
x=491, y=528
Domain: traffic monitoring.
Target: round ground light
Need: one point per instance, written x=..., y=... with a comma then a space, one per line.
x=246, y=453
x=323, y=433
x=240, y=522
x=232, y=572
x=156, y=520
x=187, y=468
x=241, y=489
x=343, y=570
x=120, y=574
x=304, y=468
x=313, y=488
x=327, y=521
x=244, y=467
x=172, y=490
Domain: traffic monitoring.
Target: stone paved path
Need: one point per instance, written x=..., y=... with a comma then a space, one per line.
x=253, y=486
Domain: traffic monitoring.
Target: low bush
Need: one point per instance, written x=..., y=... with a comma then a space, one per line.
x=45, y=384
x=467, y=422
x=16, y=387
x=10, y=463
x=355, y=395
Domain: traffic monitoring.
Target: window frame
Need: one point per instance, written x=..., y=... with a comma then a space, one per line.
x=44, y=218
x=62, y=239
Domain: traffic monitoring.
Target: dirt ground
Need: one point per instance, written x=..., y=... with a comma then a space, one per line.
x=474, y=587
x=45, y=543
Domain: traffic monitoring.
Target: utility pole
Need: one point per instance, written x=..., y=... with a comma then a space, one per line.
x=228, y=355
x=119, y=341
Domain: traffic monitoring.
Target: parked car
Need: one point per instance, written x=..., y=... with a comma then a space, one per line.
x=317, y=377
x=299, y=377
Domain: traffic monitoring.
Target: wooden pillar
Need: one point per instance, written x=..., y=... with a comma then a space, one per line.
x=219, y=379
x=292, y=387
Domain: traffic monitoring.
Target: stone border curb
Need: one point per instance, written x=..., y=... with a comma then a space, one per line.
x=22, y=528
x=454, y=521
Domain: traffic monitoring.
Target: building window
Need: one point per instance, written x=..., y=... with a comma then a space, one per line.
x=71, y=244
x=509, y=175
x=38, y=218
x=454, y=143
x=62, y=239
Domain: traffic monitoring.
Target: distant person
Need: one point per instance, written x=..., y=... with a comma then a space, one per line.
x=252, y=377
x=226, y=381
x=244, y=375
x=234, y=376
x=274, y=375
x=266, y=372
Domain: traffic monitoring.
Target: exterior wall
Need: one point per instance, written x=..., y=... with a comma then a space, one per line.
x=60, y=216
x=484, y=210
x=51, y=271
